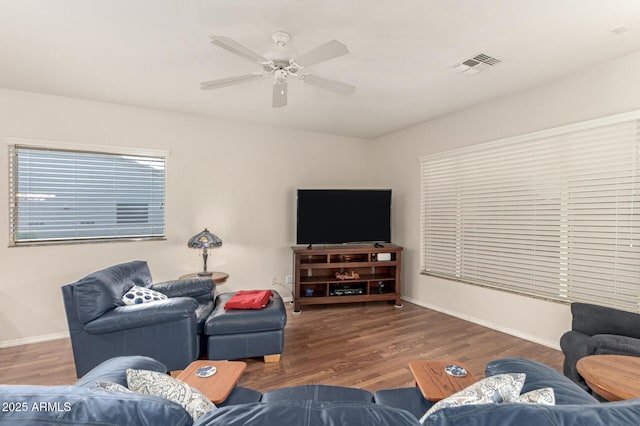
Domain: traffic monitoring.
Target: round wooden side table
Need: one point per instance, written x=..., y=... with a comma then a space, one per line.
x=613, y=377
x=218, y=278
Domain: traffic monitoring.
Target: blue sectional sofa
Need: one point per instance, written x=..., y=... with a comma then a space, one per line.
x=83, y=404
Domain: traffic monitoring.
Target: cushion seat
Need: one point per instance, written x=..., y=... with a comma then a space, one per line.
x=233, y=321
x=239, y=333
x=319, y=393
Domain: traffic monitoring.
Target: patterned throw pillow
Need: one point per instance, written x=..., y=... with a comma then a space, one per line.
x=498, y=388
x=114, y=387
x=165, y=386
x=137, y=295
x=544, y=396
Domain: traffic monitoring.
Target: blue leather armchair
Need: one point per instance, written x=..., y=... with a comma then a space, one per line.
x=598, y=330
x=102, y=327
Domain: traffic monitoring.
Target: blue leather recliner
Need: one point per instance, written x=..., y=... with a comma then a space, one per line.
x=101, y=326
x=598, y=330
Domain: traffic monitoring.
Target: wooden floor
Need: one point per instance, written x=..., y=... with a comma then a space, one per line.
x=362, y=345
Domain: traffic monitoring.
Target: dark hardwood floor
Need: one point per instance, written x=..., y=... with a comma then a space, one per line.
x=363, y=345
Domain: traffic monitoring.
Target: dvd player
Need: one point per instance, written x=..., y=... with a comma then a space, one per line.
x=346, y=291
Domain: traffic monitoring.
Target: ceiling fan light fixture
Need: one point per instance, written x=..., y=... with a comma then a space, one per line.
x=281, y=38
x=281, y=75
x=282, y=62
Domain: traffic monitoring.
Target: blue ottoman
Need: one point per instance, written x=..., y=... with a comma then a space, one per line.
x=239, y=333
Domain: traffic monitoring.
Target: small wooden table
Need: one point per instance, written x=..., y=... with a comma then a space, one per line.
x=434, y=382
x=217, y=387
x=218, y=277
x=613, y=377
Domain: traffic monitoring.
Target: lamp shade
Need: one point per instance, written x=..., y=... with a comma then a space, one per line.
x=204, y=239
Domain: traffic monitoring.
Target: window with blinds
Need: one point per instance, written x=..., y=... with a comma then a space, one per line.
x=553, y=214
x=59, y=196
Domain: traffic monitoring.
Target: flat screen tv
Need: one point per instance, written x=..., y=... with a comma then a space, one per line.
x=340, y=216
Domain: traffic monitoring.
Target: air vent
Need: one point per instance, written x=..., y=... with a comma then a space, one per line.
x=486, y=59
x=478, y=63
x=618, y=30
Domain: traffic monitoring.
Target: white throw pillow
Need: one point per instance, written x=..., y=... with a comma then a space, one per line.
x=543, y=396
x=137, y=295
x=498, y=388
x=165, y=386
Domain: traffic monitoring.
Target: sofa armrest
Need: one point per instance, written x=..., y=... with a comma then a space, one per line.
x=541, y=376
x=145, y=314
x=114, y=370
x=611, y=413
x=574, y=347
x=79, y=405
x=613, y=344
x=409, y=399
x=190, y=287
x=240, y=395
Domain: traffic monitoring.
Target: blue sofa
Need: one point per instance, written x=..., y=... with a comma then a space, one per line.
x=574, y=406
x=83, y=404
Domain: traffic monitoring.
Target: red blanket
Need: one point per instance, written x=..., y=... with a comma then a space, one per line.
x=249, y=299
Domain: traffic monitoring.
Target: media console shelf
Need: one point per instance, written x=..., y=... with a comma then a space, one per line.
x=376, y=271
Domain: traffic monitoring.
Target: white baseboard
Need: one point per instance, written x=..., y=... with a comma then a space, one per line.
x=35, y=339
x=493, y=326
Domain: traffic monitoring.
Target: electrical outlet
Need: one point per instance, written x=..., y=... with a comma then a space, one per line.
x=288, y=279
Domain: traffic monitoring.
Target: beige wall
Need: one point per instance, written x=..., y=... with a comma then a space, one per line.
x=240, y=180
x=604, y=90
x=237, y=180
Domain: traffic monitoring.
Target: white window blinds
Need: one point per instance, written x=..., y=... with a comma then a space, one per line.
x=71, y=196
x=553, y=214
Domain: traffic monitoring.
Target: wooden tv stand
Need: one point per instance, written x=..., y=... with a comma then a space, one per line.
x=346, y=273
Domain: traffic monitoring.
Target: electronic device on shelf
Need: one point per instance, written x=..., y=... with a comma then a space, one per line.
x=346, y=291
x=383, y=257
x=340, y=216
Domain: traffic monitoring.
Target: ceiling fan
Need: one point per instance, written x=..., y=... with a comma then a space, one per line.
x=282, y=64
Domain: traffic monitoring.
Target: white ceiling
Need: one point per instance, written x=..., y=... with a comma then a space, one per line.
x=154, y=53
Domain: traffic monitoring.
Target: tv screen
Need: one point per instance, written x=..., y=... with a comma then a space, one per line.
x=338, y=216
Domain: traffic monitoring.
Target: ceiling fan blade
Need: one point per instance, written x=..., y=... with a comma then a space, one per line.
x=229, y=81
x=324, y=52
x=234, y=47
x=325, y=83
x=279, y=94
